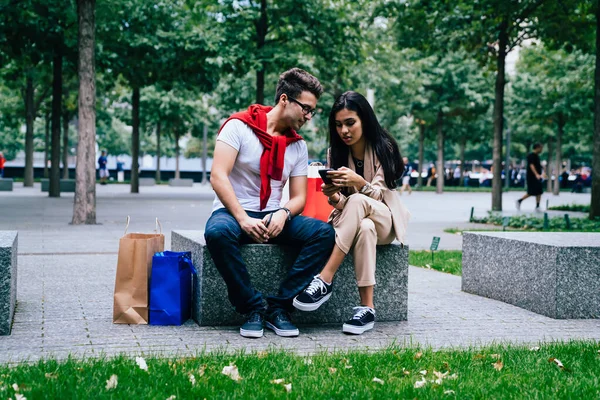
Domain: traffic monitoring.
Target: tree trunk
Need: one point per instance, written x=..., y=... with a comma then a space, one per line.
x=84, y=206
x=54, y=190
x=558, y=157
x=463, y=146
x=157, y=177
x=47, y=145
x=204, y=152
x=29, y=117
x=439, y=187
x=135, y=140
x=421, y=152
x=65, y=146
x=499, y=118
x=261, y=34
x=595, y=203
x=177, y=176
x=549, y=165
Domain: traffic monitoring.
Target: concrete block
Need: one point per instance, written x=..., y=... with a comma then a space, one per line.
x=8, y=279
x=147, y=181
x=6, y=184
x=181, y=182
x=556, y=274
x=267, y=265
x=66, y=185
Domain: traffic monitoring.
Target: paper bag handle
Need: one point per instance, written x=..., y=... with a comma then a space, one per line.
x=156, y=227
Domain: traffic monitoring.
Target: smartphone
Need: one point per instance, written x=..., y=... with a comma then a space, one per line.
x=323, y=172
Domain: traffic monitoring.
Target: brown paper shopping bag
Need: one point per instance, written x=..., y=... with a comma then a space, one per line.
x=134, y=267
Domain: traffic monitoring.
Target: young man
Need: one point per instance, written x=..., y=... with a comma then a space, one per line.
x=534, y=177
x=256, y=152
x=103, y=171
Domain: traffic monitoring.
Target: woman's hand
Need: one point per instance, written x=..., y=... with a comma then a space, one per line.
x=329, y=190
x=345, y=177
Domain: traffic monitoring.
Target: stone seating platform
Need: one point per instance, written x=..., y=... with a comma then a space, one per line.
x=181, y=182
x=147, y=181
x=6, y=184
x=66, y=185
x=8, y=279
x=267, y=265
x=556, y=274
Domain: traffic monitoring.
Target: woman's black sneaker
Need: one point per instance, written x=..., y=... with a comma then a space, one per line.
x=253, y=327
x=311, y=298
x=363, y=320
x=279, y=321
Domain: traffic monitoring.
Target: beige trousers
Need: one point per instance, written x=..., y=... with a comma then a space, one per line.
x=363, y=224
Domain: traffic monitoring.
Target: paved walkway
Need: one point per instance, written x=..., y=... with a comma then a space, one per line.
x=66, y=277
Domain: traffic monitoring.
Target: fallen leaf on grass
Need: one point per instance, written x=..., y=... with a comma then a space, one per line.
x=15, y=387
x=192, y=379
x=478, y=357
x=288, y=387
x=141, y=363
x=424, y=372
x=453, y=376
x=172, y=397
x=440, y=376
x=498, y=365
x=421, y=383
x=232, y=372
x=347, y=366
x=262, y=354
x=332, y=370
x=277, y=381
x=377, y=380
x=20, y=397
x=418, y=355
x=534, y=348
x=495, y=356
x=448, y=391
x=50, y=376
x=201, y=370
x=427, y=266
x=557, y=362
x=112, y=382
x=308, y=361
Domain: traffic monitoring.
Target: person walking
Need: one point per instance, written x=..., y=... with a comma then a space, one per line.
x=534, y=177
x=2, y=162
x=406, y=176
x=367, y=208
x=102, y=170
x=256, y=152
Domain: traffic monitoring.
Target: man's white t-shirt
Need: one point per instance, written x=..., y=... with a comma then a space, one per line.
x=245, y=175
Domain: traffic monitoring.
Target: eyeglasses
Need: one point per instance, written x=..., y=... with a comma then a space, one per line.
x=305, y=108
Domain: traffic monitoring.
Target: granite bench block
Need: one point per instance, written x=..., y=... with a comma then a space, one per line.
x=6, y=184
x=147, y=181
x=556, y=274
x=181, y=182
x=8, y=279
x=267, y=265
x=66, y=185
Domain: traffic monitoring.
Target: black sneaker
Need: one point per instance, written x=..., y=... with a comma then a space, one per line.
x=253, y=327
x=363, y=320
x=311, y=298
x=279, y=322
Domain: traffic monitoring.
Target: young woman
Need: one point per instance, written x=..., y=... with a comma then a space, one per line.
x=367, y=210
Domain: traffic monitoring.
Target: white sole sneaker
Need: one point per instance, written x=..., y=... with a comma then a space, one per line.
x=357, y=330
x=310, y=306
x=251, y=334
x=282, y=332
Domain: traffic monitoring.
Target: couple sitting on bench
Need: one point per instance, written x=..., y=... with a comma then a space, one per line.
x=256, y=152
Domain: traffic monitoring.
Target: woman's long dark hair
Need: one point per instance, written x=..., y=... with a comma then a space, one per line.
x=385, y=147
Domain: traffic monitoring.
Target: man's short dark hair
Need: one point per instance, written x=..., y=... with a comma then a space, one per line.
x=537, y=146
x=295, y=81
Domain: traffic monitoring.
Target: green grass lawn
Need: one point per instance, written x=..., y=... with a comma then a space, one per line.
x=553, y=371
x=449, y=261
x=572, y=207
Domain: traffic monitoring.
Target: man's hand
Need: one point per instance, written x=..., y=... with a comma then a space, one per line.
x=256, y=229
x=278, y=219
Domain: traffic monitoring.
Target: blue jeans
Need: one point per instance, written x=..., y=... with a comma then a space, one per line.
x=224, y=238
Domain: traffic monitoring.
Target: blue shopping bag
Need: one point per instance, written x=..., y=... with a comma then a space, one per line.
x=171, y=288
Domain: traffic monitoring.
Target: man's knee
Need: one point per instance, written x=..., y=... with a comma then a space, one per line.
x=220, y=227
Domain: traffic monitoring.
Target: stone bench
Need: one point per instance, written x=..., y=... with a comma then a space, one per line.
x=6, y=184
x=181, y=182
x=66, y=185
x=147, y=181
x=267, y=265
x=550, y=273
x=8, y=279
